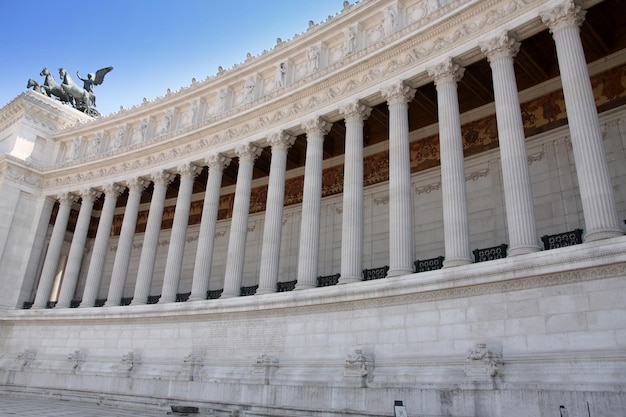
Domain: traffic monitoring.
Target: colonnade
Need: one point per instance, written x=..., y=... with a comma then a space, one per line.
x=591, y=165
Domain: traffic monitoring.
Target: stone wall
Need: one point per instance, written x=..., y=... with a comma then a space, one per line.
x=516, y=337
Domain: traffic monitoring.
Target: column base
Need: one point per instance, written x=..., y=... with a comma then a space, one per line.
x=451, y=263
x=262, y=291
x=138, y=303
x=108, y=303
x=194, y=297
x=303, y=286
x=600, y=234
x=229, y=295
x=399, y=272
x=348, y=279
x=165, y=300
x=85, y=305
x=523, y=250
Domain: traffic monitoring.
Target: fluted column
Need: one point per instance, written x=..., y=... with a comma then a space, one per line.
x=272, y=230
x=99, y=252
x=161, y=180
x=308, y=252
x=54, y=251
x=174, y=263
x=125, y=242
x=594, y=180
x=401, y=231
x=77, y=249
x=352, y=218
x=518, y=196
x=206, y=235
x=239, y=224
x=454, y=194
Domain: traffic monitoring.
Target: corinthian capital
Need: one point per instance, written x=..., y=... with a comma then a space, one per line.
x=248, y=151
x=398, y=92
x=188, y=170
x=502, y=46
x=566, y=15
x=112, y=190
x=281, y=140
x=316, y=125
x=447, y=71
x=355, y=111
x=217, y=162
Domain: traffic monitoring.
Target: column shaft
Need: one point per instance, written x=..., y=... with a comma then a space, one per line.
x=272, y=230
x=518, y=197
x=594, y=180
x=54, y=251
x=151, y=238
x=308, y=254
x=352, y=218
x=454, y=194
x=99, y=252
x=176, y=248
x=401, y=230
x=206, y=235
x=77, y=249
x=239, y=223
x=125, y=242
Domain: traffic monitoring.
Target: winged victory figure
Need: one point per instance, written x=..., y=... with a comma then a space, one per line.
x=94, y=79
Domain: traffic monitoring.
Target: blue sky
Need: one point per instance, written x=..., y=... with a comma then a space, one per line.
x=152, y=45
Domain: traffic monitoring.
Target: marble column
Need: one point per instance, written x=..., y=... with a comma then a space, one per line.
x=518, y=196
x=161, y=180
x=77, y=249
x=208, y=222
x=454, y=194
x=352, y=218
x=239, y=223
x=594, y=180
x=176, y=249
x=125, y=242
x=99, y=251
x=401, y=232
x=308, y=252
x=272, y=230
x=54, y=251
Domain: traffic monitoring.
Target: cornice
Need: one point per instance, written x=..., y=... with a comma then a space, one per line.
x=455, y=26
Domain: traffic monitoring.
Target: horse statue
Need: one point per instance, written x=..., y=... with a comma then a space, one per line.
x=84, y=100
x=51, y=88
x=35, y=86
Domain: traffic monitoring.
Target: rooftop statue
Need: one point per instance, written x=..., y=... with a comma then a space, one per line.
x=81, y=98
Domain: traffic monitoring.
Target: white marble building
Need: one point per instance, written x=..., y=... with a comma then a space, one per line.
x=415, y=200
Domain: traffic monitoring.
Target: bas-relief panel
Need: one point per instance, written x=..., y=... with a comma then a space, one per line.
x=539, y=115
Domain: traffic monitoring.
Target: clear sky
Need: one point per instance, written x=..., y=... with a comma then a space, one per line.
x=153, y=45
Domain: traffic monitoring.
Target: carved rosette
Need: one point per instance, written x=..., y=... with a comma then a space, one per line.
x=566, y=15
x=447, y=71
x=398, y=92
x=317, y=126
x=503, y=46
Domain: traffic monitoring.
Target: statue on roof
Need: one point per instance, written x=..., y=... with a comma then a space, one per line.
x=81, y=98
